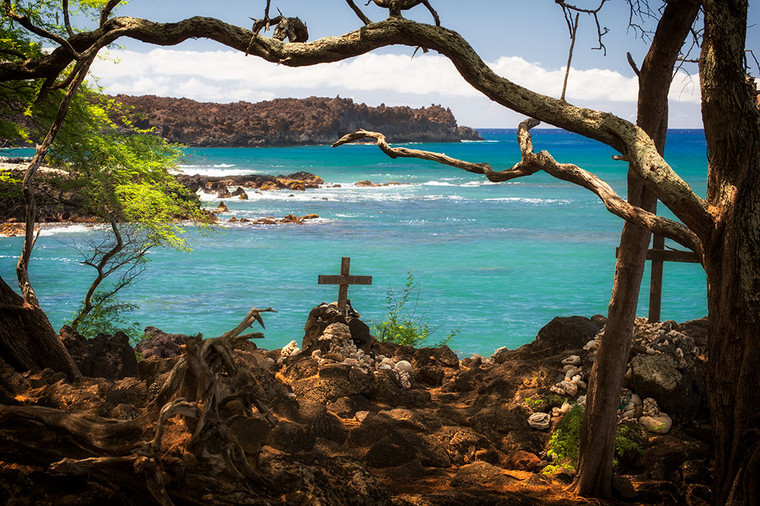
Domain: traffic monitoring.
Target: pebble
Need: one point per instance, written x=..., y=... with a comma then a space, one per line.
x=403, y=365
x=581, y=400
x=290, y=350
x=540, y=421
x=572, y=360
x=659, y=424
x=361, y=415
x=569, y=387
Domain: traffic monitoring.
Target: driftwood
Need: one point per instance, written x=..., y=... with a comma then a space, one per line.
x=202, y=432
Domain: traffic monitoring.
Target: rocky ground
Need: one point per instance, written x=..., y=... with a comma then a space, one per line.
x=341, y=418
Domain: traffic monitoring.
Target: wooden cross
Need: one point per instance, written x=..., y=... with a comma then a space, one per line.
x=659, y=255
x=344, y=280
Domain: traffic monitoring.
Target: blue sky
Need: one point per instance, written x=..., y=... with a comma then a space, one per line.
x=524, y=41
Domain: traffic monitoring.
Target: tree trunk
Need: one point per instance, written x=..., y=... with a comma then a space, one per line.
x=27, y=340
x=732, y=129
x=597, y=444
x=734, y=349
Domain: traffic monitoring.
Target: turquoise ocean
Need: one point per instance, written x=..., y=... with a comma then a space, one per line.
x=496, y=261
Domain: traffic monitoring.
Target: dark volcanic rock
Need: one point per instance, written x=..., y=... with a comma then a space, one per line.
x=565, y=333
x=289, y=121
x=104, y=356
x=158, y=344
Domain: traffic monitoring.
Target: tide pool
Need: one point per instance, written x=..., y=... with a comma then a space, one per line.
x=496, y=261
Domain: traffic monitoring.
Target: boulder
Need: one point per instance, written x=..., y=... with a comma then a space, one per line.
x=325, y=315
x=524, y=461
x=158, y=344
x=104, y=356
x=481, y=474
x=565, y=333
x=390, y=451
x=679, y=392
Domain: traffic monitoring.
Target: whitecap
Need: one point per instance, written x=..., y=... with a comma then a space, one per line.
x=51, y=229
x=529, y=200
x=438, y=183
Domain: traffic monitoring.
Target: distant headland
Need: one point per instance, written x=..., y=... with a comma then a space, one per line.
x=289, y=121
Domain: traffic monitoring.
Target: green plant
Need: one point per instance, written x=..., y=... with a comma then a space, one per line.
x=107, y=316
x=544, y=403
x=403, y=326
x=563, y=445
x=630, y=444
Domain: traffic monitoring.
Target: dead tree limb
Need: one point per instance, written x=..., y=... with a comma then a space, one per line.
x=531, y=163
x=396, y=6
x=573, y=33
x=359, y=12
x=223, y=416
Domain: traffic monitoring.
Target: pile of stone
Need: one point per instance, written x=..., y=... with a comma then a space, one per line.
x=666, y=368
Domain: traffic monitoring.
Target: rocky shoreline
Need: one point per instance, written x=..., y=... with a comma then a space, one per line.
x=357, y=421
x=55, y=205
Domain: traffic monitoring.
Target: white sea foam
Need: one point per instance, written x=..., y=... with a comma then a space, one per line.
x=438, y=183
x=205, y=170
x=51, y=229
x=484, y=182
x=533, y=201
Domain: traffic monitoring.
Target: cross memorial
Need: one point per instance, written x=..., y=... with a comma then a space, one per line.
x=658, y=255
x=344, y=280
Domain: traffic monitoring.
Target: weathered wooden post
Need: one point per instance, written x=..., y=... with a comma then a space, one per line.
x=343, y=280
x=659, y=255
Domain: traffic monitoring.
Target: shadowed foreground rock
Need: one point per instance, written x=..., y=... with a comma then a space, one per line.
x=340, y=419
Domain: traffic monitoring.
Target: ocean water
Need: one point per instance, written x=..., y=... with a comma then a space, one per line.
x=495, y=261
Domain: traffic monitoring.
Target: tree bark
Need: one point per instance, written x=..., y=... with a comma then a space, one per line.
x=27, y=340
x=732, y=129
x=597, y=444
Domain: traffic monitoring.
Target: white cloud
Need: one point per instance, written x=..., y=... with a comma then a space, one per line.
x=229, y=76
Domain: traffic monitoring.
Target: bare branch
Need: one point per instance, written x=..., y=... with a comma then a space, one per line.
x=572, y=25
x=433, y=12
x=359, y=12
x=254, y=315
x=616, y=132
x=532, y=163
x=66, y=20
x=106, y=10
x=633, y=65
x=573, y=33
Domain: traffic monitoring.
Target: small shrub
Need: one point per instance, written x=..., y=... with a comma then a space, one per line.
x=402, y=325
x=563, y=445
x=630, y=444
x=544, y=403
x=107, y=316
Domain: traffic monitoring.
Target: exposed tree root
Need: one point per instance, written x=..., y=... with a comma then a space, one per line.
x=210, y=418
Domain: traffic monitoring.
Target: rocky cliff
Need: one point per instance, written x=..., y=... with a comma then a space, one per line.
x=288, y=121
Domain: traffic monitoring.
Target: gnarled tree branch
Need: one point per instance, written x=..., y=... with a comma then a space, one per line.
x=631, y=141
x=531, y=163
